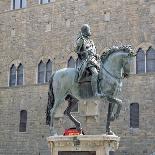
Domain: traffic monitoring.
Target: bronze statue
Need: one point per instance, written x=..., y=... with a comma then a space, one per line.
x=114, y=66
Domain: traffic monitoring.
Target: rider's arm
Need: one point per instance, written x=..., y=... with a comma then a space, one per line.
x=79, y=45
x=94, y=50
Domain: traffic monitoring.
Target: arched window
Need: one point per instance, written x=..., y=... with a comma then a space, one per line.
x=44, y=1
x=12, y=81
x=150, y=60
x=48, y=70
x=41, y=72
x=17, y=4
x=140, y=61
x=71, y=63
x=20, y=75
x=134, y=115
x=23, y=121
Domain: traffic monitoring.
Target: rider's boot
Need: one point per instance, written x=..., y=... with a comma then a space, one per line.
x=95, y=87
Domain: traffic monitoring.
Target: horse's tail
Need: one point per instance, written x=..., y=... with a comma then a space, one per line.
x=50, y=102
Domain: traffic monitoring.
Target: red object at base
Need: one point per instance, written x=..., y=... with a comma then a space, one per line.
x=72, y=131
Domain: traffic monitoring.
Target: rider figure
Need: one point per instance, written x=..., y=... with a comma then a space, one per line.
x=86, y=51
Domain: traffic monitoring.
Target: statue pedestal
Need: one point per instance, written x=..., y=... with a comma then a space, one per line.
x=83, y=144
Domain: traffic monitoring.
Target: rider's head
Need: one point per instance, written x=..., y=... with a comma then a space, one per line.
x=85, y=29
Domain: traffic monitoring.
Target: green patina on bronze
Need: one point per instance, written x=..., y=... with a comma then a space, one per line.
x=114, y=66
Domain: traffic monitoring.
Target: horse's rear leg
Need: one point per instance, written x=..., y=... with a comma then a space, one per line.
x=119, y=106
x=53, y=110
x=72, y=101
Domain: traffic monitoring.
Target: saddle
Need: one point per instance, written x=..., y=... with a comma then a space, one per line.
x=83, y=78
x=86, y=77
x=85, y=87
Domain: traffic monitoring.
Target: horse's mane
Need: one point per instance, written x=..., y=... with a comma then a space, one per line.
x=108, y=52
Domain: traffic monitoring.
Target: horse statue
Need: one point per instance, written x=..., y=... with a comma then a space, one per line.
x=63, y=85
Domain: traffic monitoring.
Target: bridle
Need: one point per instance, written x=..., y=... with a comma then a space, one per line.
x=113, y=76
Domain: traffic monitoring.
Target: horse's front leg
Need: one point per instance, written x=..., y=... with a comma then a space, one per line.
x=119, y=106
x=115, y=102
x=109, y=118
x=72, y=101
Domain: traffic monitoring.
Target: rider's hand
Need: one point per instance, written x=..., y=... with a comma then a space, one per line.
x=97, y=56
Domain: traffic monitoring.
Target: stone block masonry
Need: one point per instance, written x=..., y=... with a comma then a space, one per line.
x=42, y=32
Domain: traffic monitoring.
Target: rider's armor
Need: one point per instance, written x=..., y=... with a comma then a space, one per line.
x=86, y=51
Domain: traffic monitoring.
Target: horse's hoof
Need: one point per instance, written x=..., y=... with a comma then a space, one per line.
x=110, y=133
x=116, y=116
x=112, y=118
x=53, y=132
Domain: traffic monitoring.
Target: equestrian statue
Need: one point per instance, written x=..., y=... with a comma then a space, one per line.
x=95, y=77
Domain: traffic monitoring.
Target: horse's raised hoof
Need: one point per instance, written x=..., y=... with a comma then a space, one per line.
x=53, y=134
x=116, y=116
x=112, y=118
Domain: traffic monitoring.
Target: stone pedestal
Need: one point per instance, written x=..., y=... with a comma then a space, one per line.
x=83, y=144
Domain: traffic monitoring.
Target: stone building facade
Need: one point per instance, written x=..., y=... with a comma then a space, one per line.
x=41, y=32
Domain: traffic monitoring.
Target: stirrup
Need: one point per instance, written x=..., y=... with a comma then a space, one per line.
x=100, y=95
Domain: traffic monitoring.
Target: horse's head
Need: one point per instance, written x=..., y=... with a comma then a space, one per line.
x=126, y=60
x=116, y=61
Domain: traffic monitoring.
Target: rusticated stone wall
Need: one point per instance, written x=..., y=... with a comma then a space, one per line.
x=40, y=32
